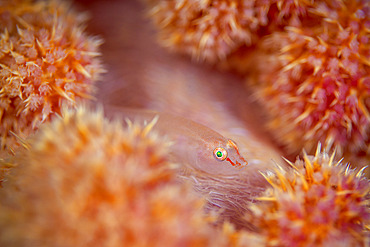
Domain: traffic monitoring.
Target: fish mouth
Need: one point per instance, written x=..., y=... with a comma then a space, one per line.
x=237, y=164
x=243, y=162
x=243, y=165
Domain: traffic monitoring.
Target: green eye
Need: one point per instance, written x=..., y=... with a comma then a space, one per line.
x=220, y=153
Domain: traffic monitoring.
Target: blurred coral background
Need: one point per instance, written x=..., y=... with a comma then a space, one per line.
x=144, y=75
x=242, y=82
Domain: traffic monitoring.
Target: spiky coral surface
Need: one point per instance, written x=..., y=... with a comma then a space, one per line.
x=204, y=29
x=86, y=181
x=46, y=60
x=212, y=30
x=316, y=83
x=319, y=202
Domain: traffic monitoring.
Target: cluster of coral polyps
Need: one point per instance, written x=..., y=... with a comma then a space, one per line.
x=315, y=81
x=46, y=60
x=313, y=58
x=212, y=29
x=207, y=30
x=85, y=181
x=319, y=202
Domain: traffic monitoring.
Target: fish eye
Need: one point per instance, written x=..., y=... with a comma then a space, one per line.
x=220, y=153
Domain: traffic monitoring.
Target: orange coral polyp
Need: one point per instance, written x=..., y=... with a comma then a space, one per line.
x=317, y=89
x=213, y=30
x=84, y=180
x=318, y=202
x=207, y=30
x=46, y=60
